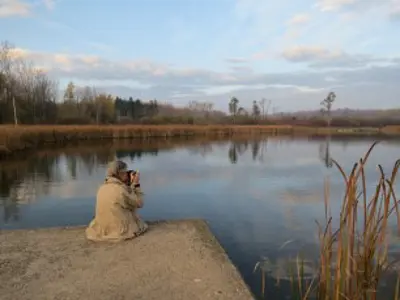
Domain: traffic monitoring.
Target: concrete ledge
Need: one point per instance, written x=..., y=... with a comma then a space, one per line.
x=173, y=260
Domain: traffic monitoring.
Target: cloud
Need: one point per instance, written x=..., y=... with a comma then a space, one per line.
x=388, y=8
x=94, y=67
x=319, y=57
x=295, y=26
x=334, y=5
x=263, y=24
x=242, y=69
x=264, y=63
x=395, y=13
x=9, y=8
x=298, y=19
x=149, y=79
x=268, y=28
x=49, y=4
x=239, y=64
x=308, y=53
x=237, y=60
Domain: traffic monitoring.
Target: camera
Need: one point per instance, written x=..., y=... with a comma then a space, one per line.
x=131, y=172
x=128, y=178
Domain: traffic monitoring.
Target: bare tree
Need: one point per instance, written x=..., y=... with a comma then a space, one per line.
x=233, y=107
x=5, y=80
x=255, y=110
x=242, y=111
x=202, y=109
x=262, y=105
x=26, y=92
x=327, y=107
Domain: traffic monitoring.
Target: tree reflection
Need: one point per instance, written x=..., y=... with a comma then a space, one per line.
x=325, y=154
x=102, y=158
x=236, y=149
x=71, y=164
x=201, y=149
x=133, y=154
x=9, y=205
x=22, y=182
x=89, y=161
x=255, y=149
x=239, y=148
x=242, y=147
x=233, y=153
x=10, y=209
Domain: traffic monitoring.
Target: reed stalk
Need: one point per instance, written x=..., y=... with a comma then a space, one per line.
x=353, y=255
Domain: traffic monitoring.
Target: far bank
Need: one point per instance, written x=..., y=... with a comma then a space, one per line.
x=17, y=139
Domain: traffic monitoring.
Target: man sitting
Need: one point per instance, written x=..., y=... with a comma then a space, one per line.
x=117, y=202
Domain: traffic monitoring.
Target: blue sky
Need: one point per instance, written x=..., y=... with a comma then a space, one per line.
x=292, y=52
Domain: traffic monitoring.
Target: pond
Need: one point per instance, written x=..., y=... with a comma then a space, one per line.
x=256, y=193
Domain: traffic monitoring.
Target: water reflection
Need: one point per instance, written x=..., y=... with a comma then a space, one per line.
x=23, y=182
x=325, y=153
x=238, y=148
x=202, y=149
x=256, y=193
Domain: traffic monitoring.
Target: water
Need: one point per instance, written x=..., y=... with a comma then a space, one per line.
x=256, y=194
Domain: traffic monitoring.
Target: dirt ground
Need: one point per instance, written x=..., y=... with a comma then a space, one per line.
x=173, y=260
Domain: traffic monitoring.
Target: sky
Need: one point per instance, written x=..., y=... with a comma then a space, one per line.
x=290, y=52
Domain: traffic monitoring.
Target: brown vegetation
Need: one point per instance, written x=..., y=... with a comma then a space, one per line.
x=353, y=254
x=394, y=129
x=379, y=121
x=17, y=138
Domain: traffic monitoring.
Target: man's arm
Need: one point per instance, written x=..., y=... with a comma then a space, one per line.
x=135, y=188
x=132, y=197
x=128, y=197
x=137, y=192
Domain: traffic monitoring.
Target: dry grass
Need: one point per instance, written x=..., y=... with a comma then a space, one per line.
x=394, y=129
x=353, y=256
x=13, y=139
x=17, y=138
x=110, y=147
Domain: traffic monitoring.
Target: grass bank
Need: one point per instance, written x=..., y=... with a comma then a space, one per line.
x=15, y=139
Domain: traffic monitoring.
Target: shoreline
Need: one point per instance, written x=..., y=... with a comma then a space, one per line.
x=15, y=140
x=178, y=259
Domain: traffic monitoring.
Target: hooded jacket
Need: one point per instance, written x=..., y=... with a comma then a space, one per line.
x=115, y=218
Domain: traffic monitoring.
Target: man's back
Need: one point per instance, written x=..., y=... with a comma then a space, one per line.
x=115, y=213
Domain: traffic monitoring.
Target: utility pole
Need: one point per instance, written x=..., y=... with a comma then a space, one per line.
x=5, y=92
x=268, y=106
x=262, y=103
x=15, y=111
x=98, y=107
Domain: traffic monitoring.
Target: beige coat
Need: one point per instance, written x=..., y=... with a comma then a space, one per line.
x=116, y=218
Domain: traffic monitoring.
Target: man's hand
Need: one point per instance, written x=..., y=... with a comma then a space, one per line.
x=135, y=178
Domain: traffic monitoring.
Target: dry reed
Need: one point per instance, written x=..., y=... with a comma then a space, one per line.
x=392, y=129
x=354, y=256
x=15, y=138
x=18, y=138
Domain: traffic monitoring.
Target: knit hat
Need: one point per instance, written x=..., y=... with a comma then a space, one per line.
x=116, y=167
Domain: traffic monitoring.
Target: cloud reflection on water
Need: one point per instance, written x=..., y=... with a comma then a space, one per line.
x=256, y=194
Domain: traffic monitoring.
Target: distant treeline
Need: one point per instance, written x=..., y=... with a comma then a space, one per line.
x=29, y=96
x=358, y=121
